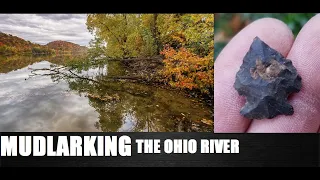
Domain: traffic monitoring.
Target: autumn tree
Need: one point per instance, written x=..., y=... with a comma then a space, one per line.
x=97, y=48
x=189, y=51
x=150, y=26
x=193, y=31
x=119, y=31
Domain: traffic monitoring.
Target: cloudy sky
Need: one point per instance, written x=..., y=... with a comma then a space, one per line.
x=44, y=28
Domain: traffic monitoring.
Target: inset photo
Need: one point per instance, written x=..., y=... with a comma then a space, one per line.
x=106, y=72
x=266, y=73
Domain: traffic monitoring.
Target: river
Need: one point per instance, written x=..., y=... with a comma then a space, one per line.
x=47, y=103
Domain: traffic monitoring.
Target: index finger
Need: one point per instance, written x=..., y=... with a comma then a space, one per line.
x=227, y=102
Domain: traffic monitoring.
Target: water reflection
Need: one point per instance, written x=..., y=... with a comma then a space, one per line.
x=45, y=103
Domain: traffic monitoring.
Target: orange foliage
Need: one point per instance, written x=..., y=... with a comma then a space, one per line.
x=184, y=69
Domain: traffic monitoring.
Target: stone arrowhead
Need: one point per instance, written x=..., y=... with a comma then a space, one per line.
x=266, y=79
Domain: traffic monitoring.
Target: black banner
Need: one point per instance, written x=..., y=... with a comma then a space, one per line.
x=161, y=149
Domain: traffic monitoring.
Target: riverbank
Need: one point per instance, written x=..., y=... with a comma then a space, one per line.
x=147, y=71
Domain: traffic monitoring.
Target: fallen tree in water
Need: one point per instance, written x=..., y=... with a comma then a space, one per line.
x=62, y=73
x=137, y=70
x=69, y=73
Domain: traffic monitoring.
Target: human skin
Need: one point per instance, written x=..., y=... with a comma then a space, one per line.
x=304, y=51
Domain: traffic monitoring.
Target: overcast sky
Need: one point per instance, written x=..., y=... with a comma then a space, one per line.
x=44, y=28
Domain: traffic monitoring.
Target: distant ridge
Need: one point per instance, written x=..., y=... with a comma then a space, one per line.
x=66, y=46
x=14, y=41
x=10, y=44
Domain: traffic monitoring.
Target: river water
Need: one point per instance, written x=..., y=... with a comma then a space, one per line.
x=45, y=103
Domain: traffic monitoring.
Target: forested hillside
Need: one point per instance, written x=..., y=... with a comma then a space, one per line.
x=11, y=45
x=64, y=46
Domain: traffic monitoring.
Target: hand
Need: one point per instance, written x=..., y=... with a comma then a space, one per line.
x=304, y=51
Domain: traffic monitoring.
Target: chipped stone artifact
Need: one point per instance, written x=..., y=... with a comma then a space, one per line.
x=266, y=79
